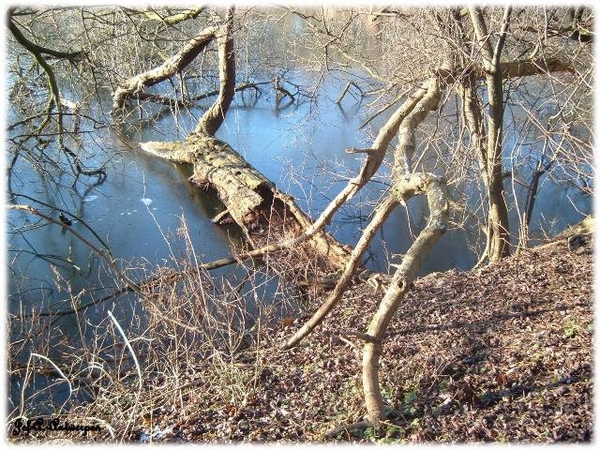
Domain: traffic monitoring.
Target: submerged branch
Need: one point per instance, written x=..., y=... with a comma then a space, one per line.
x=103, y=254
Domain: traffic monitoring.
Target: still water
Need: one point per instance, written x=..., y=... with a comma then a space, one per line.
x=140, y=206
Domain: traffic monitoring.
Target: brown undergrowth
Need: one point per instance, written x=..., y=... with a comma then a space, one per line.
x=499, y=354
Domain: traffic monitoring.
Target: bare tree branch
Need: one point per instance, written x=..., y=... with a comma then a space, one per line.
x=166, y=70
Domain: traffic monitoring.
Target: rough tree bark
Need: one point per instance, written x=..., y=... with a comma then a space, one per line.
x=250, y=199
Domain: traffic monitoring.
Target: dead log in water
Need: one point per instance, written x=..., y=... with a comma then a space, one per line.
x=264, y=214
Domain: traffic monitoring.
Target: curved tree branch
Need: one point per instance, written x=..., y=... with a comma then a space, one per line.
x=172, y=19
x=404, y=121
x=437, y=200
x=169, y=68
x=212, y=119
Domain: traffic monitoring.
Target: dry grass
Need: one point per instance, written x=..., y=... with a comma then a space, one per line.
x=188, y=341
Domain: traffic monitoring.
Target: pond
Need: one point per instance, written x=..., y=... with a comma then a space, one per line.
x=140, y=206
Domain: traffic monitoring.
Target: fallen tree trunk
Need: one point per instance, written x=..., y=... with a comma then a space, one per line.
x=217, y=164
x=263, y=213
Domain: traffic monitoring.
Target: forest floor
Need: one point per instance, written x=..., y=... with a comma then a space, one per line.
x=499, y=354
x=502, y=354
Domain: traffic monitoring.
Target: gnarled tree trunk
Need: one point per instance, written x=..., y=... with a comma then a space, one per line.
x=437, y=199
x=405, y=185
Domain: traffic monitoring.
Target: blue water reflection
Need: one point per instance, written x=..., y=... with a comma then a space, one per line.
x=139, y=208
